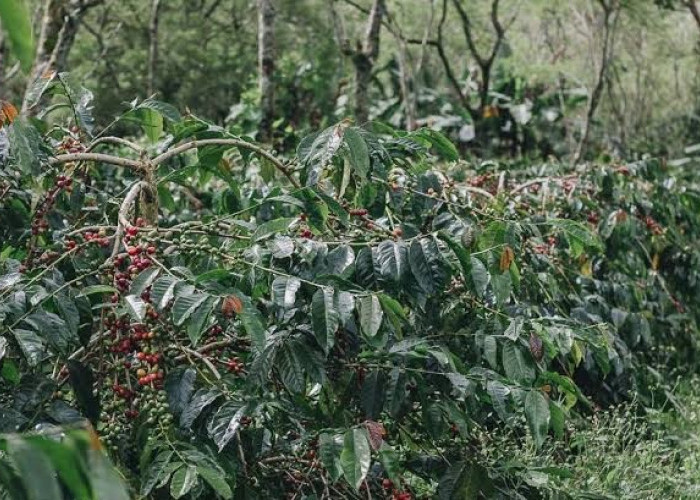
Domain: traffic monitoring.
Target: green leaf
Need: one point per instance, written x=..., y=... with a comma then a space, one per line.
x=51, y=327
x=344, y=303
x=284, y=291
x=282, y=247
x=324, y=318
x=253, y=324
x=155, y=472
x=273, y=227
x=498, y=392
x=557, y=419
x=316, y=152
x=31, y=344
x=459, y=251
x=355, y=457
x=426, y=264
x=186, y=303
x=34, y=469
x=17, y=22
x=372, y=394
x=537, y=415
x=491, y=351
x=80, y=100
x=514, y=329
x=105, y=479
x=480, y=276
x=579, y=237
x=26, y=146
x=144, y=280
x=162, y=291
x=65, y=460
x=96, y=289
x=199, y=318
x=371, y=314
x=443, y=146
x=183, y=480
x=136, y=307
x=216, y=479
x=396, y=392
x=68, y=311
x=390, y=461
x=226, y=422
x=502, y=286
x=394, y=312
x=164, y=109
x=392, y=259
x=179, y=386
x=199, y=401
x=152, y=123
x=38, y=88
x=516, y=365
x=357, y=151
x=464, y=481
x=81, y=379
x=330, y=447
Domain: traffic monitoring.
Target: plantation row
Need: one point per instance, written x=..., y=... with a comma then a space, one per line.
x=350, y=322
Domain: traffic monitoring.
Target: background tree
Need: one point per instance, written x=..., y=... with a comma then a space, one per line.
x=266, y=66
x=60, y=22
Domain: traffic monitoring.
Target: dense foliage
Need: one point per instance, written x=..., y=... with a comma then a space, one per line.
x=351, y=321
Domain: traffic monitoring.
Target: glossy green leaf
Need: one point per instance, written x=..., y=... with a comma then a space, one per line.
x=324, y=318
x=371, y=314
x=537, y=415
x=355, y=457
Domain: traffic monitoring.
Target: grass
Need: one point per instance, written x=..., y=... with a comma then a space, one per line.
x=626, y=452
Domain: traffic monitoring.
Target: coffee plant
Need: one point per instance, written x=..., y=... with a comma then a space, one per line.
x=352, y=321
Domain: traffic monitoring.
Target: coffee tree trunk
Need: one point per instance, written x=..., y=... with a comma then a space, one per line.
x=266, y=66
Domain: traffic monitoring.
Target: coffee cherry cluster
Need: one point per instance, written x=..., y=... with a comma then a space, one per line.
x=136, y=259
x=363, y=215
x=40, y=224
x=100, y=238
x=358, y=212
x=70, y=144
x=653, y=226
x=480, y=180
x=137, y=360
x=235, y=365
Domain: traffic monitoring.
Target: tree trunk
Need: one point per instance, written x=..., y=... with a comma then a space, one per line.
x=153, y=48
x=59, y=26
x=610, y=16
x=694, y=10
x=364, y=59
x=266, y=66
x=406, y=78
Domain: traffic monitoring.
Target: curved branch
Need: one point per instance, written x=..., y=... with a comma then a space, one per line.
x=226, y=142
x=122, y=220
x=115, y=140
x=98, y=157
x=476, y=190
